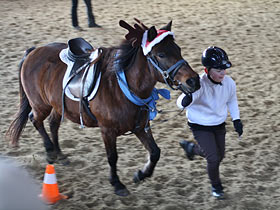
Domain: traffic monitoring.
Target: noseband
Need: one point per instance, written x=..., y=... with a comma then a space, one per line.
x=169, y=74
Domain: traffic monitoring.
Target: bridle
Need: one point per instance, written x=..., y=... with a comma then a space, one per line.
x=169, y=74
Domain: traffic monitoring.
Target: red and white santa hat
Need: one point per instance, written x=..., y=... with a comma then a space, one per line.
x=147, y=46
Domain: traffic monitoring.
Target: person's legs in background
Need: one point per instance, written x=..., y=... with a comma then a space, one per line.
x=91, y=19
x=74, y=13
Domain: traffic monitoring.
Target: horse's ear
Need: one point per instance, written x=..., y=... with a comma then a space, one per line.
x=152, y=33
x=167, y=27
x=134, y=34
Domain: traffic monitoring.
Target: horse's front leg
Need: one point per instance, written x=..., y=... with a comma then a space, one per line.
x=148, y=141
x=109, y=139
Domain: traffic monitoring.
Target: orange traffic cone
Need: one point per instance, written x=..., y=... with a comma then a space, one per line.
x=50, y=193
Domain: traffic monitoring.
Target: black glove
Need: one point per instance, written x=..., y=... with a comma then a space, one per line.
x=187, y=100
x=238, y=126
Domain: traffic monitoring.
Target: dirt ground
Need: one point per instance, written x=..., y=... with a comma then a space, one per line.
x=247, y=29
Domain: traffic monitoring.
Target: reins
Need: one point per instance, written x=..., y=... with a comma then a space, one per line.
x=157, y=122
x=166, y=120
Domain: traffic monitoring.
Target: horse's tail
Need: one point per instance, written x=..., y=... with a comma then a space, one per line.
x=21, y=117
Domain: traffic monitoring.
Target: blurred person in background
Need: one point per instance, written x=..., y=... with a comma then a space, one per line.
x=91, y=19
x=18, y=191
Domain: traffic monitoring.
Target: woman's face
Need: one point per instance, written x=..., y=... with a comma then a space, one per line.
x=217, y=74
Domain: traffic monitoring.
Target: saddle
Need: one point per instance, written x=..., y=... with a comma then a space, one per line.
x=79, y=51
x=82, y=76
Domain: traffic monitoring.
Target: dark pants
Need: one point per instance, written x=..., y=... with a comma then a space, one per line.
x=211, y=145
x=91, y=19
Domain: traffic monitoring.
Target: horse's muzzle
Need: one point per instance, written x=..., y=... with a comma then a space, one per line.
x=191, y=85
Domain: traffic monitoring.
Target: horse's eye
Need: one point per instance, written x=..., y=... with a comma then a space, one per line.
x=161, y=55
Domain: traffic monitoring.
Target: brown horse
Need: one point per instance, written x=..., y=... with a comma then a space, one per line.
x=40, y=81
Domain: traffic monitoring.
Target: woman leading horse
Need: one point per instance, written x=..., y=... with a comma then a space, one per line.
x=146, y=57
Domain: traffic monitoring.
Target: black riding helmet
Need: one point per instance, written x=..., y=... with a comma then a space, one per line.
x=215, y=57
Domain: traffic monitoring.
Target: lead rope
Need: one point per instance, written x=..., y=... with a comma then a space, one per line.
x=166, y=120
x=158, y=122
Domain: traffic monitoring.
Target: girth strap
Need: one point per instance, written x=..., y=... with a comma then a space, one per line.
x=86, y=65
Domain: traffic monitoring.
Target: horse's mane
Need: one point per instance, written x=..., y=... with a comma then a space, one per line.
x=127, y=51
x=127, y=55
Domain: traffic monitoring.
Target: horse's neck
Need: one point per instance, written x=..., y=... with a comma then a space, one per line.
x=140, y=79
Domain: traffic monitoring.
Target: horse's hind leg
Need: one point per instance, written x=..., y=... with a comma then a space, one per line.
x=54, y=122
x=109, y=139
x=37, y=120
x=154, y=154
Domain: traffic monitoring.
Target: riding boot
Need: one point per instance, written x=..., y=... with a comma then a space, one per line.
x=188, y=148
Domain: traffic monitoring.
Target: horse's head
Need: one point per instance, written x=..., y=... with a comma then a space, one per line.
x=163, y=55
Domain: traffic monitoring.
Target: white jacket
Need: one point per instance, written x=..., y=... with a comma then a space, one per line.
x=211, y=102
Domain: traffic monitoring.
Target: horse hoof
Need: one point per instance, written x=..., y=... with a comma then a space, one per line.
x=122, y=192
x=138, y=176
x=120, y=189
